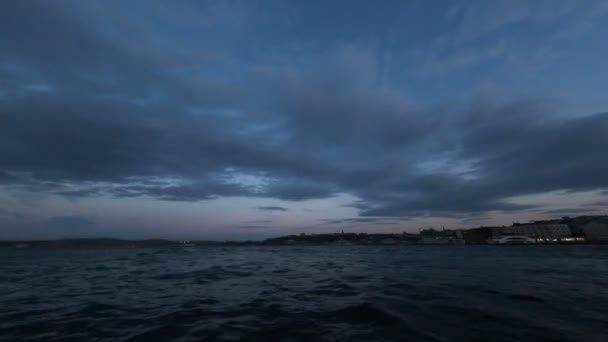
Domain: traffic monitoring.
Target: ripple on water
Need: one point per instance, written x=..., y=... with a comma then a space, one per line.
x=214, y=273
x=524, y=298
x=362, y=293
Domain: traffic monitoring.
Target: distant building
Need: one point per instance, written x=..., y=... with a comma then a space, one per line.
x=497, y=231
x=481, y=235
x=595, y=231
x=541, y=230
x=434, y=232
x=429, y=232
x=389, y=241
x=436, y=240
x=577, y=224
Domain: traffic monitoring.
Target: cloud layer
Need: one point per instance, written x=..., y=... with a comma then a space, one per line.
x=90, y=108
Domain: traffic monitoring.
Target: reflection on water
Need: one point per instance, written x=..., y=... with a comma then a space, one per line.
x=340, y=293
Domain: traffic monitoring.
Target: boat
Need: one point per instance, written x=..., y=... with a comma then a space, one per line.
x=511, y=240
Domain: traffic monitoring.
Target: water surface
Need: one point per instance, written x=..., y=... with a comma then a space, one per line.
x=331, y=293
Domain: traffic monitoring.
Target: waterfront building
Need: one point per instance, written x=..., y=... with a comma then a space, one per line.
x=541, y=230
x=479, y=235
x=595, y=231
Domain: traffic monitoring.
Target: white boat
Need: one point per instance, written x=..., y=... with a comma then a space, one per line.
x=511, y=240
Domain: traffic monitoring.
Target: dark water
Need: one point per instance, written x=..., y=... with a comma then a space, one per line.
x=425, y=293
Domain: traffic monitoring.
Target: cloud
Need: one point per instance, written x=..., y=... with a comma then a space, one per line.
x=599, y=204
x=287, y=189
x=259, y=221
x=515, y=149
x=272, y=208
x=69, y=222
x=494, y=39
x=482, y=18
x=252, y=227
x=88, y=113
x=437, y=62
x=474, y=220
x=567, y=211
x=11, y=214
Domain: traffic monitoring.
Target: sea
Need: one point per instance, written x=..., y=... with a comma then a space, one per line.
x=291, y=293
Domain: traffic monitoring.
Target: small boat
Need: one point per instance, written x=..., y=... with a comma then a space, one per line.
x=511, y=240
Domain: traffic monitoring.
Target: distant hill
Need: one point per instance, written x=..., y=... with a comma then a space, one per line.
x=89, y=243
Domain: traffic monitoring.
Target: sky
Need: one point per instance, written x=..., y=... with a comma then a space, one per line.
x=253, y=119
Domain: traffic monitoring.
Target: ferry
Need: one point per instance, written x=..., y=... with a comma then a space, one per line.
x=511, y=240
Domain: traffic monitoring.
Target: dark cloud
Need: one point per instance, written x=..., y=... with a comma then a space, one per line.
x=14, y=214
x=599, y=204
x=287, y=189
x=272, y=208
x=87, y=112
x=200, y=190
x=69, y=222
x=514, y=150
x=341, y=99
x=568, y=211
